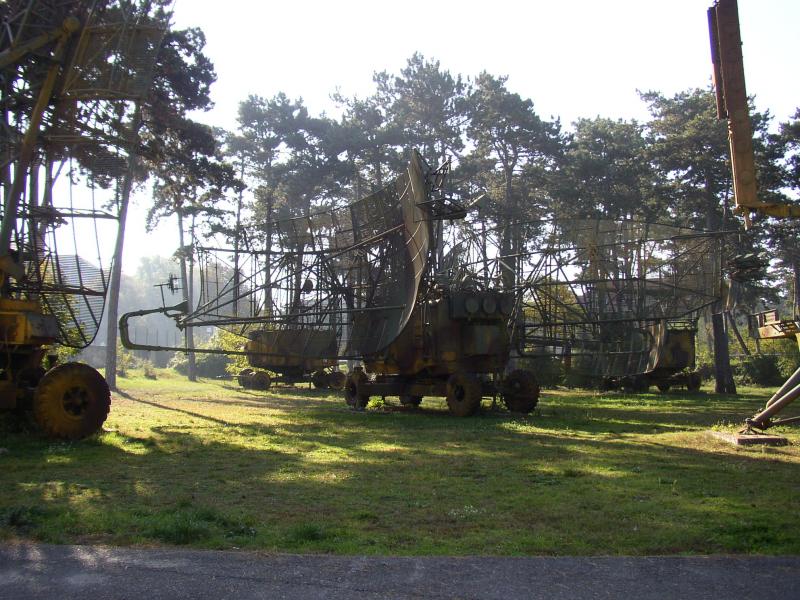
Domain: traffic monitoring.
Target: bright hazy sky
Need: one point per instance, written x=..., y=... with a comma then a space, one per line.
x=582, y=58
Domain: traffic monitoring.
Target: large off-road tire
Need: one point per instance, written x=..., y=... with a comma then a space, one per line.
x=463, y=394
x=71, y=401
x=635, y=384
x=606, y=384
x=354, y=390
x=520, y=391
x=260, y=380
x=320, y=379
x=407, y=400
x=663, y=387
x=244, y=378
x=693, y=382
x=337, y=380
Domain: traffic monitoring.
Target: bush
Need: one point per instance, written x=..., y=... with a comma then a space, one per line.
x=577, y=378
x=704, y=362
x=208, y=365
x=179, y=363
x=789, y=360
x=64, y=353
x=760, y=369
x=125, y=360
x=234, y=343
x=148, y=370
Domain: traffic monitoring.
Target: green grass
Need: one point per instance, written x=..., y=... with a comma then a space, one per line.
x=294, y=470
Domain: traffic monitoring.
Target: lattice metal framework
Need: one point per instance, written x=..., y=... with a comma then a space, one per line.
x=598, y=291
x=351, y=274
x=70, y=74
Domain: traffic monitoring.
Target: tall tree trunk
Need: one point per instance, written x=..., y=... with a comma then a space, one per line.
x=267, y=260
x=509, y=263
x=378, y=176
x=112, y=300
x=722, y=360
x=796, y=286
x=188, y=334
x=6, y=152
x=723, y=372
x=237, y=233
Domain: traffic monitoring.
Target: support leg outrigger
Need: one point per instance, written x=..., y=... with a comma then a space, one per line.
x=788, y=393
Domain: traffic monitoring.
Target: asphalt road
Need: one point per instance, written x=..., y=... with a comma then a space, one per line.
x=70, y=572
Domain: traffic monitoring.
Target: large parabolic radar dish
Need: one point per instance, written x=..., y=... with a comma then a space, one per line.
x=335, y=283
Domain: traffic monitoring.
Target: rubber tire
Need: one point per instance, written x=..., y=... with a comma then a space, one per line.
x=77, y=383
x=463, y=394
x=260, y=380
x=320, y=380
x=413, y=401
x=694, y=382
x=244, y=378
x=354, y=393
x=606, y=384
x=635, y=384
x=337, y=380
x=520, y=391
x=663, y=387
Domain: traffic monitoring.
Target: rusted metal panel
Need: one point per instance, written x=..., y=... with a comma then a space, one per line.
x=767, y=325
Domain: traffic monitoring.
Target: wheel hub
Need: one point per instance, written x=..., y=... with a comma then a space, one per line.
x=75, y=401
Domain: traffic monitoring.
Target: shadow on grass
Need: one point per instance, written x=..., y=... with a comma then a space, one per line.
x=323, y=478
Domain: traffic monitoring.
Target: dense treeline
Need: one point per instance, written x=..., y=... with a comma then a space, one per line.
x=283, y=161
x=672, y=169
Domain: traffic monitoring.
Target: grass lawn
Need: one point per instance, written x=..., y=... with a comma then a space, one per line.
x=294, y=470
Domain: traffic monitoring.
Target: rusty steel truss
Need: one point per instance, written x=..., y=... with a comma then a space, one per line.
x=343, y=284
x=595, y=292
x=67, y=70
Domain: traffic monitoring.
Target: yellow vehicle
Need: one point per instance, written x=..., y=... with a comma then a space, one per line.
x=55, y=65
x=293, y=355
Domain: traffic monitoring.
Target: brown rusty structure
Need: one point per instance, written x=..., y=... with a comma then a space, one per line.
x=65, y=66
x=405, y=283
x=357, y=283
x=729, y=83
x=614, y=301
x=294, y=354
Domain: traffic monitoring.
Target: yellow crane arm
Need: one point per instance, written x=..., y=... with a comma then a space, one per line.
x=731, y=94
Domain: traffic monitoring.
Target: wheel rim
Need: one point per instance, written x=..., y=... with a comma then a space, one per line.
x=320, y=379
x=337, y=380
x=351, y=392
x=520, y=391
x=75, y=401
x=463, y=394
